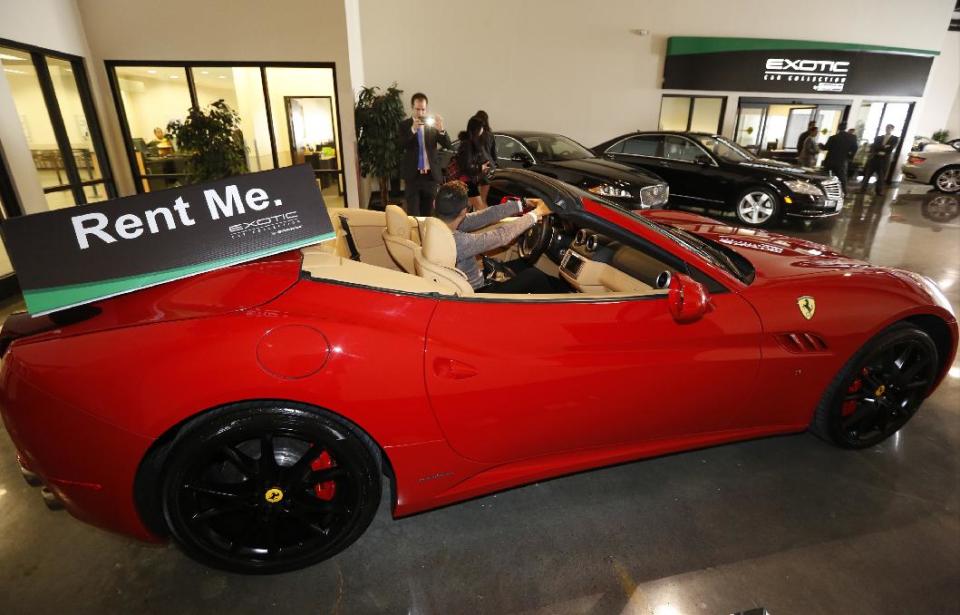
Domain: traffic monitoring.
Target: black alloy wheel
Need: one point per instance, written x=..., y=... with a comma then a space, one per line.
x=879, y=389
x=262, y=489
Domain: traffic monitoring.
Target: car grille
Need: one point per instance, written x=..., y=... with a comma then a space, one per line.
x=654, y=196
x=831, y=187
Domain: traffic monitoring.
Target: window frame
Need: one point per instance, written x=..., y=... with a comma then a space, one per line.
x=690, y=109
x=188, y=66
x=75, y=184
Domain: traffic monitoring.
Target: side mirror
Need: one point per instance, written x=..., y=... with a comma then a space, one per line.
x=702, y=159
x=687, y=298
x=521, y=158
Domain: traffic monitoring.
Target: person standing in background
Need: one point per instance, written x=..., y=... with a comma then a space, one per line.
x=840, y=149
x=419, y=136
x=879, y=161
x=490, y=150
x=472, y=160
x=809, y=148
x=804, y=135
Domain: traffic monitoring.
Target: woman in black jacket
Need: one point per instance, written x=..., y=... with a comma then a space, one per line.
x=490, y=148
x=472, y=161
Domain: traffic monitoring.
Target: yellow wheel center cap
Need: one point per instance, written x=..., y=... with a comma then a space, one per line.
x=880, y=391
x=273, y=495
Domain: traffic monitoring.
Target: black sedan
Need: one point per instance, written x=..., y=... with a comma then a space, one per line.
x=564, y=159
x=712, y=172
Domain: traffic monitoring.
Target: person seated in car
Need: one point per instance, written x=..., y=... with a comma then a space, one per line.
x=451, y=207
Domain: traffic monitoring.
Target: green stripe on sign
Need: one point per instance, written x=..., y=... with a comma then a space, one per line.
x=687, y=45
x=45, y=300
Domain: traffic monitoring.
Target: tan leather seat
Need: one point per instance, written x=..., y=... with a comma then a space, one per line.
x=396, y=236
x=437, y=260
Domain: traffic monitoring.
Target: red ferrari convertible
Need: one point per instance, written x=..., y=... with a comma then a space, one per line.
x=251, y=413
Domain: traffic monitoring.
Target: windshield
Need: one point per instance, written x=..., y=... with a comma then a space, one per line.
x=555, y=148
x=728, y=151
x=714, y=253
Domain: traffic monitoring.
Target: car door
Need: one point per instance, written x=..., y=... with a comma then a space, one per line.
x=691, y=171
x=510, y=379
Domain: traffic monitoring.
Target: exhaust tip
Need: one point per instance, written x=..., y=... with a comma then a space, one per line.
x=32, y=479
x=51, y=499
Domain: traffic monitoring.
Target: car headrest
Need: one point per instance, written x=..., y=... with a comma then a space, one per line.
x=438, y=245
x=398, y=225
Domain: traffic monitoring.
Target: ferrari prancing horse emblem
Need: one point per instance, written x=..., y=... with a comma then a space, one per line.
x=273, y=495
x=807, y=306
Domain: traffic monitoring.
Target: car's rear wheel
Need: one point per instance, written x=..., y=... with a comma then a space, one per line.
x=757, y=207
x=264, y=488
x=879, y=389
x=947, y=180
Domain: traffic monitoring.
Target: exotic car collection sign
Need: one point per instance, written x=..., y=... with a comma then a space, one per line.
x=73, y=256
x=803, y=67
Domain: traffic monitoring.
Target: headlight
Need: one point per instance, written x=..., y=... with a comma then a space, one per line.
x=651, y=196
x=608, y=190
x=802, y=187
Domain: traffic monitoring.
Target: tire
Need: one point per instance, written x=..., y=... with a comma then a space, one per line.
x=757, y=207
x=230, y=507
x=947, y=180
x=873, y=396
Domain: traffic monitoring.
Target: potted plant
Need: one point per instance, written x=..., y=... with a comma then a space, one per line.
x=377, y=116
x=941, y=135
x=211, y=141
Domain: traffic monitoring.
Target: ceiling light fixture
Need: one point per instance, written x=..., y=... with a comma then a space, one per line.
x=7, y=56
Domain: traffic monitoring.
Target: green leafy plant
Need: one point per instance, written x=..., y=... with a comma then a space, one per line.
x=941, y=135
x=211, y=141
x=378, y=115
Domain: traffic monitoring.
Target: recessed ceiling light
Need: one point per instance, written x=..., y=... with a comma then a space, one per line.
x=222, y=77
x=174, y=76
x=204, y=72
x=7, y=56
x=151, y=71
x=15, y=71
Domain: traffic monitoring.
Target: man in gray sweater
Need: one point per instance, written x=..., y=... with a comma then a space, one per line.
x=450, y=206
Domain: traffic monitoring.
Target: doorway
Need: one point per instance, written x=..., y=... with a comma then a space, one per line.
x=871, y=119
x=312, y=139
x=771, y=127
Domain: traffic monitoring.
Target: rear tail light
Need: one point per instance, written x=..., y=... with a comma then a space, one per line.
x=915, y=160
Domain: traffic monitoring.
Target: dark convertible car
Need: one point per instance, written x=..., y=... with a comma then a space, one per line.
x=564, y=159
x=712, y=172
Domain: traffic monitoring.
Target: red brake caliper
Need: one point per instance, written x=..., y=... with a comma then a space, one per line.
x=326, y=489
x=849, y=407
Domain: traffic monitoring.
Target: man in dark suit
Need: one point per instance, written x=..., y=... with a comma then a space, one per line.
x=840, y=149
x=419, y=136
x=879, y=162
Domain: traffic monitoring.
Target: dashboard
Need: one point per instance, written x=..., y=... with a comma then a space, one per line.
x=593, y=263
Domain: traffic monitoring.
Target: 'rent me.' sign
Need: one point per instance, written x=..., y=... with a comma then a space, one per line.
x=78, y=255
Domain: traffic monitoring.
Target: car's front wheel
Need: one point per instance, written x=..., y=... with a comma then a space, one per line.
x=757, y=207
x=879, y=389
x=947, y=180
x=269, y=487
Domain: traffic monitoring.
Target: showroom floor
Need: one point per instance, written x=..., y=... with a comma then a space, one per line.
x=787, y=523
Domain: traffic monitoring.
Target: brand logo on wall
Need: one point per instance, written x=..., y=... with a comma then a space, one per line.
x=788, y=66
x=823, y=75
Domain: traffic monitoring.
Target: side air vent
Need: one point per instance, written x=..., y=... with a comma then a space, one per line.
x=802, y=342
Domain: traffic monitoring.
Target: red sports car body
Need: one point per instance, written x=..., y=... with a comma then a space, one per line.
x=458, y=395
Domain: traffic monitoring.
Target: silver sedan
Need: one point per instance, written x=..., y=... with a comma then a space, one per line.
x=938, y=167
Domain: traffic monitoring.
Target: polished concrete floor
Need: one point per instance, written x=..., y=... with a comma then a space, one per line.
x=788, y=523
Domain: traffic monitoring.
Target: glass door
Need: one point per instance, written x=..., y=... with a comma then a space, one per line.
x=750, y=125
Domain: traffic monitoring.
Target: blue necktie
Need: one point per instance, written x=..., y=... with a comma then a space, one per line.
x=420, y=149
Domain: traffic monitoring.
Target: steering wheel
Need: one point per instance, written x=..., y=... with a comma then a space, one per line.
x=536, y=239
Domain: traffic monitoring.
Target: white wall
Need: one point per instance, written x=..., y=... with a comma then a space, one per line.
x=573, y=66
x=941, y=99
x=238, y=30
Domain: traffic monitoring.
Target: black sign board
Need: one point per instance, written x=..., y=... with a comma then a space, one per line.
x=801, y=67
x=77, y=255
